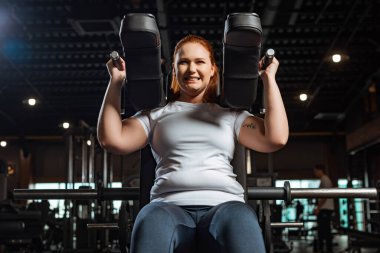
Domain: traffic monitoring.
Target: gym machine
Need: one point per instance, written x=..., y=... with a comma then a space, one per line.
x=257, y=193
x=141, y=42
x=20, y=230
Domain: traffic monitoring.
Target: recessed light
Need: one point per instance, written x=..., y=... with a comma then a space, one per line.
x=336, y=58
x=303, y=97
x=65, y=125
x=32, y=101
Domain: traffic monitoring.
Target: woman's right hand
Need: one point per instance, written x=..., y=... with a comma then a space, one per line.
x=117, y=75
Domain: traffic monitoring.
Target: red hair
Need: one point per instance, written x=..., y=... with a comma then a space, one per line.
x=212, y=88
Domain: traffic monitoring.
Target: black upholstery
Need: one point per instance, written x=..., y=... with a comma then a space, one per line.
x=141, y=43
x=241, y=43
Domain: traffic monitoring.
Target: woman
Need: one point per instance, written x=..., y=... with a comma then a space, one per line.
x=196, y=203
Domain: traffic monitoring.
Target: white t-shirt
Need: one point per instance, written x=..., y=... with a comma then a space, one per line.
x=193, y=145
x=326, y=183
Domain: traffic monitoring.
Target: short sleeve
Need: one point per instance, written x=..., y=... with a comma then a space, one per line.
x=240, y=117
x=143, y=118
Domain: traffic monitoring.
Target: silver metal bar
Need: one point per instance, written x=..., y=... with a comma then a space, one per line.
x=334, y=193
x=84, y=161
x=279, y=193
x=103, y=226
x=132, y=193
x=55, y=194
x=70, y=161
x=129, y=193
x=105, y=168
x=286, y=224
x=91, y=161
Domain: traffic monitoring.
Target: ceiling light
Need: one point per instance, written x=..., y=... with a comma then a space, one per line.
x=32, y=101
x=336, y=58
x=65, y=125
x=303, y=97
x=88, y=142
x=3, y=144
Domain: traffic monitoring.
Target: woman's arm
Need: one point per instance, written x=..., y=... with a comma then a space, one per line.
x=272, y=132
x=114, y=134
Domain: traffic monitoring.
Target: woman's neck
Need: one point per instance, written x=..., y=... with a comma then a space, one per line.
x=195, y=100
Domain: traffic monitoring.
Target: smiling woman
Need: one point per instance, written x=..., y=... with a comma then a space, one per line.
x=195, y=71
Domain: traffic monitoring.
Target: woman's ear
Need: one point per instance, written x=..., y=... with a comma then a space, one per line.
x=213, y=71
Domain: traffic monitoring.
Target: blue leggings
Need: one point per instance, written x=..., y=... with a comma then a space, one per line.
x=231, y=227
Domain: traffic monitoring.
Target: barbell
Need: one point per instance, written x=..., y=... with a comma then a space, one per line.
x=255, y=193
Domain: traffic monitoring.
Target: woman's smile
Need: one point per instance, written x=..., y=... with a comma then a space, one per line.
x=192, y=79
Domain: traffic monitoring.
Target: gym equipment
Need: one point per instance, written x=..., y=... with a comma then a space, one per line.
x=285, y=193
x=359, y=239
x=265, y=226
x=3, y=179
x=269, y=54
x=132, y=193
x=241, y=43
x=20, y=229
x=116, y=59
x=140, y=38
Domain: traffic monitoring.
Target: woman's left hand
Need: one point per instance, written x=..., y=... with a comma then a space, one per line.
x=270, y=70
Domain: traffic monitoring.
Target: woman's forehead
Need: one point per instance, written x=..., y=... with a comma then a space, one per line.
x=193, y=49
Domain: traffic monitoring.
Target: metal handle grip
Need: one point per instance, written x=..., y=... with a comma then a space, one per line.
x=116, y=60
x=268, y=58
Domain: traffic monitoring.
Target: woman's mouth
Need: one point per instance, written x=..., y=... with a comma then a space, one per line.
x=191, y=79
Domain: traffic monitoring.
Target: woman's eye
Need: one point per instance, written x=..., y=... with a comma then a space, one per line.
x=200, y=62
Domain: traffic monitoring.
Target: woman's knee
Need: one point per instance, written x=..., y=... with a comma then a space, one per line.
x=233, y=227
x=162, y=227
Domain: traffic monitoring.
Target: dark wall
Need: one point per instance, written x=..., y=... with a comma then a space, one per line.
x=49, y=161
x=297, y=159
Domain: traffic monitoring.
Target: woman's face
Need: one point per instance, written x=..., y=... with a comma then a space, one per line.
x=193, y=69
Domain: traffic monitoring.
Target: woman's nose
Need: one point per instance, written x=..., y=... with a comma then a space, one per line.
x=192, y=67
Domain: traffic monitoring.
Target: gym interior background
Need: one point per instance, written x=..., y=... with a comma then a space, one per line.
x=52, y=72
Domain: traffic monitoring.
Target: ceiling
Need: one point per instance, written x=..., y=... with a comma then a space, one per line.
x=56, y=51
